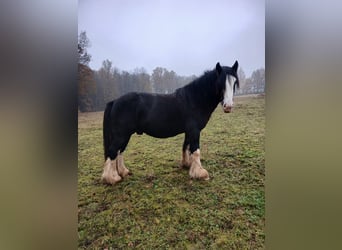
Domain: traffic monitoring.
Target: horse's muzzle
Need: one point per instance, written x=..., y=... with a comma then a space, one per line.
x=228, y=109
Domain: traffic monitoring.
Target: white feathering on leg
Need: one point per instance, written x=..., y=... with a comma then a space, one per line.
x=122, y=170
x=196, y=169
x=110, y=174
x=186, y=162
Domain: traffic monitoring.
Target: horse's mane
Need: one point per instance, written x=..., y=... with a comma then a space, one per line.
x=204, y=80
x=202, y=88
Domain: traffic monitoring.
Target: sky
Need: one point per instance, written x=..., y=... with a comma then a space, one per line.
x=188, y=37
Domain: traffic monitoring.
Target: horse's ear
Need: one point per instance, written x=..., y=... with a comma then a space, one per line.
x=235, y=66
x=218, y=68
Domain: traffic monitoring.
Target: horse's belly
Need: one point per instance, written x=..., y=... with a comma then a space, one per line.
x=160, y=117
x=163, y=133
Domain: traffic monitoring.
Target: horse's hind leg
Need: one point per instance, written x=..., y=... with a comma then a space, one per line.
x=122, y=170
x=110, y=174
x=114, y=168
x=186, y=153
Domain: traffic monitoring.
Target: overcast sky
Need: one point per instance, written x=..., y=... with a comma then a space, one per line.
x=187, y=36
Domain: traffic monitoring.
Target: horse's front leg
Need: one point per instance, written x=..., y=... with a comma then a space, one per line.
x=196, y=169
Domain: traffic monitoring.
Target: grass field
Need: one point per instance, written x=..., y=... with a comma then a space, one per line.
x=159, y=207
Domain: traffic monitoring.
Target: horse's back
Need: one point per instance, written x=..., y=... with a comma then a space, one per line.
x=157, y=115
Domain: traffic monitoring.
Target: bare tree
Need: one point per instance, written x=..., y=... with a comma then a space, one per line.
x=83, y=43
x=86, y=89
x=242, y=77
x=157, y=79
x=258, y=79
x=105, y=74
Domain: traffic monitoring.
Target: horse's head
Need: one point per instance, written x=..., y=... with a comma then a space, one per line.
x=226, y=82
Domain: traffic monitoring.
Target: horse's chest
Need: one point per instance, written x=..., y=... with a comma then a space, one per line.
x=199, y=121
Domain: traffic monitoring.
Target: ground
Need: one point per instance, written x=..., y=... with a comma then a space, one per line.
x=159, y=207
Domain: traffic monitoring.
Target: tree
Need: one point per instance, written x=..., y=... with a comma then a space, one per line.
x=242, y=77
x=83, y=43
x=170, y=81
x=110, y=87
x=255, y=83
x=142, y=80
x=164, y=81
x=86, y=82
x=258, y=79
x=157, y=80
x=86, y=89
x=100, y=100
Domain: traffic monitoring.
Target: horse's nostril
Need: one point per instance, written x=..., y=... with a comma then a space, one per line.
x=227, y=108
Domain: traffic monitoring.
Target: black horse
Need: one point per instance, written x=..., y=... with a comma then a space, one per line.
x=187, y=110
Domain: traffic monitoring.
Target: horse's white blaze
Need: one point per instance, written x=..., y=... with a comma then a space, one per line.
x=229, y=91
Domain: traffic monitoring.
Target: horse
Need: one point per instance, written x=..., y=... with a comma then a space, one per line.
x=187, y=110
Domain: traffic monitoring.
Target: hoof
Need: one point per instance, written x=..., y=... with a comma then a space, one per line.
x=112, y=180
x=123, y=172
x=110, y=174
x=196, y=169
x=199, y=173
x=184, y=165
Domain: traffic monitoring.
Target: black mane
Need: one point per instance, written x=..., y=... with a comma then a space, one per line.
x=203, y=91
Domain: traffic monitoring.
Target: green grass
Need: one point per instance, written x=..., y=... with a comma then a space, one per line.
x=159, y=207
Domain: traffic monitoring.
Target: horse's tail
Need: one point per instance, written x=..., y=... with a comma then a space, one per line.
x=107, y=137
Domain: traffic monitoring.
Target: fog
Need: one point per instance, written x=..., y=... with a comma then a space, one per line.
x=185, y=36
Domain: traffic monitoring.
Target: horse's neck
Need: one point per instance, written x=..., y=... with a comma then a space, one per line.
x=206, y=100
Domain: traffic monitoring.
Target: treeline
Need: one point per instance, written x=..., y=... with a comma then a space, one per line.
x=112, y=83
x=253, y=84
x=96, y=88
